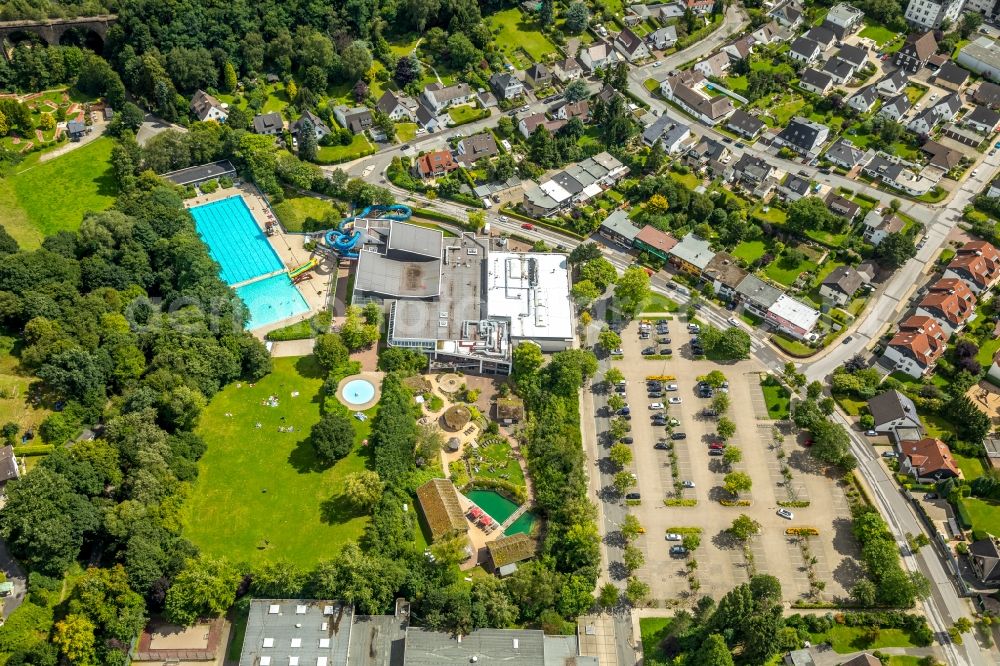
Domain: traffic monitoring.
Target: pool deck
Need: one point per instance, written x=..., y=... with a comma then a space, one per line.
x=374, y=378
x=290, y=249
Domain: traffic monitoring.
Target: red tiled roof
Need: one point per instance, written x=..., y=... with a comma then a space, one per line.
x=931, y=455
x=653, y=237
x=436, y=162
x=926, y=325
x=922, y=347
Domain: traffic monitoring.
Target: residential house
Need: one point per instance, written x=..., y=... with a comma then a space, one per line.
x=268, y=123
x=506, y=86
x=924, y=122
x=822, y=36
x=435, y=163
x=895, y=108
x=428, y=119
x=439, y=97
x=662, y=38
x=915, y=52
x=9, y=468
x=671, y=135
x=657, y=243
x=917, y=346
x=984, y=556
x=948, y=106
x=568, y=110
x=805, y=50
x=754, y=173
x=856, y=55
x=977, y=263
x=357, y=119
x=839, y=70
x=710, y=154
x=527, y=125
x=994, y=188
x=617, y=227
x=951, y=302
x=747, y=126
x=941, y=156
x=597, y=55
x=930, y=14
x=898, y=174
x=893, y=84
x=699, y=6
x=691, y=255
x=846, y=17
x=723, y=272
x=895, y=415
x=815, y=81
x=844, y=153
x=715, y=65
x=739, y=49
x=400, y=108
x=803, y=136
x=77, y=128
x=473, y=148
x=842, y=206
x=769, y=33
x=840, y=285
x=863, y=100
x=788, y=14
x=927, y=460
x=881, y=223
x=794, y=188
x=538, y=76
x=319, y=128
x=206, y=107
x=576, y=184
x=568, y=70
x=631, y=45
x=951, y=77
x=793, y=317
x=983, y=120
x=756, y=295
x=685, y=89
x=987, y=94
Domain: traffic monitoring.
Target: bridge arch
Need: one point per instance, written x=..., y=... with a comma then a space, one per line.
x=84, y=37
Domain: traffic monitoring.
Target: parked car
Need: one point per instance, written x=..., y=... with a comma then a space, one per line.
x=649, y=351
x=678, y=551
x=888, y=454
x=674, y=400
x=785, y=513
x=624, y=411
x=678, y=435
x=663, y=446
x=663, y=341
x=716, y=452
x=656, y=405
x=633, y=496
x=674, y=536
x=716, y=446
x=732, y=321
x=666, y=351
x=655, y=394
x=659, y=419
x=709, y=413
x=871, y=433
x=618, y=352
x=688, y=484
x=847, y=339
x=626, y=440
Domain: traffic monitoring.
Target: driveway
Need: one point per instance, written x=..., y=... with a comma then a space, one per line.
x=15, y=574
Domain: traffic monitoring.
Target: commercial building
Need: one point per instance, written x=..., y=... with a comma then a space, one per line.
x=982, y=56
x=576, y=184
x=793, y=317
x=929, y=14
x=691, y=254
x=297, y=632
x=529, y=293
x=757, y=296
x=197, y=175
x=618, y=227
x=652, y=240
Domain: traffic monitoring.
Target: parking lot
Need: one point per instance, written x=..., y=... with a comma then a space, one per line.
x=721, y=562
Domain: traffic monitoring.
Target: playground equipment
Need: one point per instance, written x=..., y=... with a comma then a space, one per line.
x=304, y=268
x=344, y=240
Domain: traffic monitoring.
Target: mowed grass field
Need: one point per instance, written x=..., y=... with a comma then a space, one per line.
x=261, y=495
x=40, y=198
x=515, y=31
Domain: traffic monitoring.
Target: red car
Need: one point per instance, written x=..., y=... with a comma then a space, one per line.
x=528, y=226
x=716, y=445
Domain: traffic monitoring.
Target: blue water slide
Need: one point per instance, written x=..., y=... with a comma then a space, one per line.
x=345, y=243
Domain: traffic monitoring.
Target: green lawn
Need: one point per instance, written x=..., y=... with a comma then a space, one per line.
x=515, y=32
x=652, y=631
x=972, y=468
x=15, y=407
x=296, y=209
x=689, y=180
x=499, y=463
x=914, y=92
x=467, y=113
x=750, y=251
x=276, y=99
x=359, y=147
x=778, y=116
x=985, y=514
x=777, y=398
x=936, y=426
x=44, y=198
x=879, y=33
x=659, y=303
x=791, y=345
x=652, y=85
x=406, y=131
x=772, y=214
x=778, y=272
x=987, y=350
x=904, y=660
x=262, y=495
x=846, y=639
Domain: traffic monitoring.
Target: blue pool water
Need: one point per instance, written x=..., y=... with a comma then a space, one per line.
x=358, y=391
x=271, y=300
x=235, y=241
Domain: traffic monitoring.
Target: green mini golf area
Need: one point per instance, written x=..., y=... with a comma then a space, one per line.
x=500, y=509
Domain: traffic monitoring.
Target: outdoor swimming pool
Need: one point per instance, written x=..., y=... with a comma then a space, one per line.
x=271, y=300
x=358, y=391
x=234, y=240
x=500, y=509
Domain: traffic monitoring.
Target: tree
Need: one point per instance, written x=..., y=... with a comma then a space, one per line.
x=407, y=70
x=618, y=428
x=895, y=250
x=527, y=359
x=636, y=590
x=584, y=292
x=229, y=81
x=546, y=13
x=613, y=376
x=291, y=90
x=355, y=61
x=633, y=558
x=330, y=351
x=630, y=527
x=357, y=333
x=308, y=145
x=623, y=481
x=332, y=437
x=632, y=290
x=577, y=17
x=367, y=580
x=74, y=636
x=725, y=428
x=600, y=271
x=461, y=51
x=715, y=378
x=732, y=455
x=737, y=482
x=655, y=158
x=477, y=219
x=576, y=90
x=972, y=423
x=608, y=596
x=811, y=213
x=720, y=403
x=744, y=527
x=713, y=651
x=360, y=91
x=620, y=455
x=363, y=489
x=969, y=23
x=609, y=340
x=864, y=592
x=277, y=580
x=205, y=587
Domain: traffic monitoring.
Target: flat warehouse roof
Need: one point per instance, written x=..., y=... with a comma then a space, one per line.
x=200, y=173
x=532, y=291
